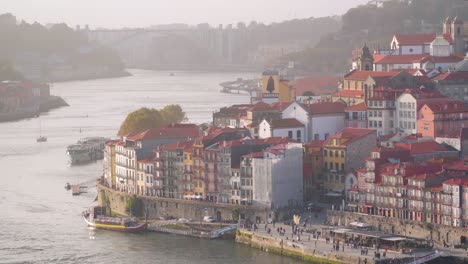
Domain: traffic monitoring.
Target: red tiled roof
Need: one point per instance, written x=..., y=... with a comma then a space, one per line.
x=401, y=59
x=321, y=85
x=280, y=106
x=315, y=143
x=286, y=123
x=456, y=181
x=424, y=147
x=325, y=108
x=112, y=142
x=363, y=75
x=254, y=155
x=351, y=134
x=358, y=107
x=349, y=93
x=419, y=39
x=448, y=59
x=447, y=106
x=273, y=140
x=175, y=131
x=149, y=159
x=451, y=76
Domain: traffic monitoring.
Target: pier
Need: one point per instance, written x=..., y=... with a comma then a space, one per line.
x=240, y=85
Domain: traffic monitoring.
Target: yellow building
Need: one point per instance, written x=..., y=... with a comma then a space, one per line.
x=343, y=154
x=198, y=176
x=276, y=89
x=313, y=180
x=188, y=169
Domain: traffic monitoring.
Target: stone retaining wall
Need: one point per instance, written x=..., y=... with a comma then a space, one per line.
x=291, y=249
x=162, y=207
x=438, y=233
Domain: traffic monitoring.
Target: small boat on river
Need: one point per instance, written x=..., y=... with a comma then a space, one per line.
x=95, y=218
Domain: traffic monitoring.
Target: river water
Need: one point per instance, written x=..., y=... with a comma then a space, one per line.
x=40, y=221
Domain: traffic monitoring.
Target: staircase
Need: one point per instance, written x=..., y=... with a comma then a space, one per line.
x=223, y=230
x=425, y=258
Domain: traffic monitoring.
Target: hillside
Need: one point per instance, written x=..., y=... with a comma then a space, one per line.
x=45, y=53
x=375, y=26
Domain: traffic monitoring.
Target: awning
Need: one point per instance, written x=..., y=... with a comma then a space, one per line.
x=341, y=231
x=359, y=224
x=394, y=238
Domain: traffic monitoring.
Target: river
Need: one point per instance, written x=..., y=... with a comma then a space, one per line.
x=40, y=221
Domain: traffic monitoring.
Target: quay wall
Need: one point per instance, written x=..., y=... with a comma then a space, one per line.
x=422, y=230
x=157, y=207
x=292, y=249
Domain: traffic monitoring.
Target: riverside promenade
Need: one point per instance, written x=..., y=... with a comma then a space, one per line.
x=314, y=250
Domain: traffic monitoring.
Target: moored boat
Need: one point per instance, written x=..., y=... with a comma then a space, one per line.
x=95, y=219
x=86, y=150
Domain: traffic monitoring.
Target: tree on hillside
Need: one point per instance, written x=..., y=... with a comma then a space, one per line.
x=146, y=118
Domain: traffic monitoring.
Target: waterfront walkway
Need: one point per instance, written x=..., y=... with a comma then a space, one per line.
x=322, y=246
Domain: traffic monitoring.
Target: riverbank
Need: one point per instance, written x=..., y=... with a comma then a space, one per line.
x=87, y=75
x=44, y=105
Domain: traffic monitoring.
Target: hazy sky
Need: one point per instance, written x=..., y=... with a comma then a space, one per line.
x=142, y=13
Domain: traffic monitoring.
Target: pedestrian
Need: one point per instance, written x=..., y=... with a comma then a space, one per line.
x=342, y=248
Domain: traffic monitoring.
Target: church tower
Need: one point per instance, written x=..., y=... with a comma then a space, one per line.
x=448, y=26
x=366, y=60
x=457, y=35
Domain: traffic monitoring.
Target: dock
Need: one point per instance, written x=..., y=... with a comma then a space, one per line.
x=240, y=85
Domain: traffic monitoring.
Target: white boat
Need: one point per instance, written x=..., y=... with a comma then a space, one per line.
x=86, y=150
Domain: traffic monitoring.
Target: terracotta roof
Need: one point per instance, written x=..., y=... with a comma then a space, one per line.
x=448, y=59
x=112, y=142
x=349, y=93
x=447, y=106
x=149, y=159
x=351, y=134
x=175, y=131
x=320, y=85
x=459, y=165
x=273, y=140
x=451, y=76
x=363, y=75
x=402, y=59
x=325, y=108
x=280, y=106
x=254, y=155
x=419, y=39
x=456, y=181
x=315, y=143
x=358, y=107
x=424, y=147
x=286, y=123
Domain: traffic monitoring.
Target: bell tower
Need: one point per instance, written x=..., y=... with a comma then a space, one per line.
x=457, y=35
x=366, y=60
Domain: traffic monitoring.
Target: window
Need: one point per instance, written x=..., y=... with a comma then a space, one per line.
x=342, y=153
x=336, y=153
x=290, y=134
x=325, y=153
x=380, y=113
x=316, y=137
x=337, y=166
x=298, y=135
x=391, y=123
x=325, y=165
x=370, y=113
x=342, y=166
x=380, y=123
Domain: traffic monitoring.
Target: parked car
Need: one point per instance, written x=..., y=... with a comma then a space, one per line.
x=208, y=219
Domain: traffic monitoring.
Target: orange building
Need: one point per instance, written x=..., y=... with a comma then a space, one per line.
x=442, y=119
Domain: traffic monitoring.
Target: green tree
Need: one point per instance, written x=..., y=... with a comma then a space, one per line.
x=235, y=214
x=172, y=114
x=146, y=118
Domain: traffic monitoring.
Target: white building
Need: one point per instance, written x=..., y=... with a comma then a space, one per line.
x=320, y=119
x=406, y=113
x=288, y=127
x=278, y=177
